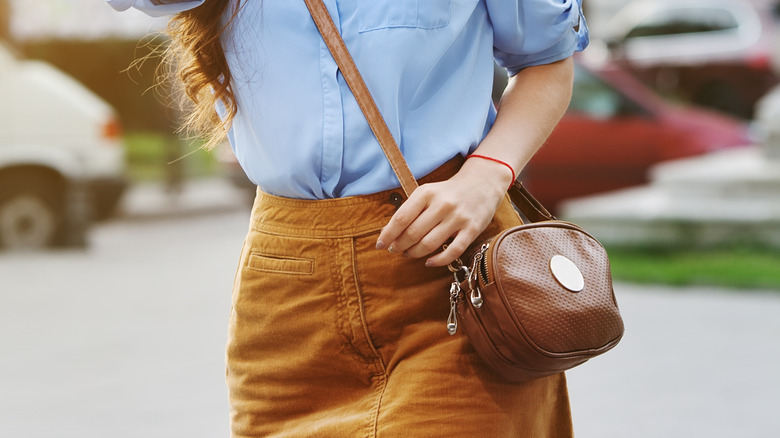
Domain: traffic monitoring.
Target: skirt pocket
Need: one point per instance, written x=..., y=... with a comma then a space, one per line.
x=280, y=264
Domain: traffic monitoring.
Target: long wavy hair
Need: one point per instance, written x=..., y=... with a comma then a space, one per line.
x=195, y=59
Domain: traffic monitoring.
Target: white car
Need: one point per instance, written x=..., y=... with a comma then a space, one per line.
x=61, y=158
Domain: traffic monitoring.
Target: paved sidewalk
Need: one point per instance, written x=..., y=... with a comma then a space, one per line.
x=694, y=362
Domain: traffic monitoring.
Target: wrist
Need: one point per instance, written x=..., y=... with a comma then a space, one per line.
x=494, y=167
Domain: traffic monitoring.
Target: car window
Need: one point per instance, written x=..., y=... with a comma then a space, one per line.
x=685, y=21
x=593, y=97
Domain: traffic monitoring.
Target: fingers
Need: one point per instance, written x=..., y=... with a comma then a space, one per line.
x=459, y=208
x=401, y=220
x=453, y=251
x=416, y=228
x=431, y=242
x=422, y=236
x=437, y=222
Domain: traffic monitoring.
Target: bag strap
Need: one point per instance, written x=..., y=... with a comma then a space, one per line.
x=531, y=208
x=528, y=205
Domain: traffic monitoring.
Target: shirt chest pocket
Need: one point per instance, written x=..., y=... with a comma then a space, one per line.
x=419, y=14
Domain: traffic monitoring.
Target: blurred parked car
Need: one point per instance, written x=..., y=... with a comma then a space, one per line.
x=614, y=130
x=61, y=159
x=714, y=53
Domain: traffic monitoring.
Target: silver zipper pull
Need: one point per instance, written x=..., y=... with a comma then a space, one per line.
x=475, y=294
x=476, y=298
x=452, y=320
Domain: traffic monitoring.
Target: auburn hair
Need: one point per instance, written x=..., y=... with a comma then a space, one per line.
x=196, y=60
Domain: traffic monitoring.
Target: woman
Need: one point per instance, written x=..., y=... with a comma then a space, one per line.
x=338, y=326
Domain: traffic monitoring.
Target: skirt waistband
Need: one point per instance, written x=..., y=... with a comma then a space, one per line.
x=339, y=217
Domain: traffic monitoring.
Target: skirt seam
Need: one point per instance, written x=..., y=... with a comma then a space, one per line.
x=381, y=368
x=343, y=325
x=374, y=430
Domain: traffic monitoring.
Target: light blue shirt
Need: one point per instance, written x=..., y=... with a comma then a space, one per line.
x=428, y=63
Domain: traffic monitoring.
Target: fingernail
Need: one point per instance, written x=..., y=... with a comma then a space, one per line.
x=390, y=248
x=380, y=244
x=429, y=263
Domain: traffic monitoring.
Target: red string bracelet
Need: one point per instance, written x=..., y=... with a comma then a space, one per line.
x=496, y=160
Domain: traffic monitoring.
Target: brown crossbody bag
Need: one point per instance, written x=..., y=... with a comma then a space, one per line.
x=534, y=300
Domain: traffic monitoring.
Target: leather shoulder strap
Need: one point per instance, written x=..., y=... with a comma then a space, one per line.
x=355, y=81
x=532, y=209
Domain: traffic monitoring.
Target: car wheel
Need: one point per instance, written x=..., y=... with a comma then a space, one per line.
x=29, y=218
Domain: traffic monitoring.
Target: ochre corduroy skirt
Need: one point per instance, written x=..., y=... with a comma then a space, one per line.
x=330, y=337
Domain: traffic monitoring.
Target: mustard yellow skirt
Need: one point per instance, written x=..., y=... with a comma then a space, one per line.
x=330, y=337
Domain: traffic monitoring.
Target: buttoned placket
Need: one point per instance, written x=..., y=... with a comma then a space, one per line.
x=333, y=112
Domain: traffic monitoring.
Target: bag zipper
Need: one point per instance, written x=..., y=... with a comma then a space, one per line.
x=473, y=275
x=481, y=260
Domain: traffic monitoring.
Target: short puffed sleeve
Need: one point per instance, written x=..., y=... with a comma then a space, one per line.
x=155, y=8
x=535, y=32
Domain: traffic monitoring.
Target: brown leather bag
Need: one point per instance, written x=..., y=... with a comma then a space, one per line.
x=538, y=298
x=534, y=300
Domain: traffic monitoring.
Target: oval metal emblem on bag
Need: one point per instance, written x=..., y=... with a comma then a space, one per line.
x=567, y=273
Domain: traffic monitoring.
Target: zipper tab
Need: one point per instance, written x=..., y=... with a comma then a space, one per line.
x=475, y=294
x=452, y=320
x=481, y=261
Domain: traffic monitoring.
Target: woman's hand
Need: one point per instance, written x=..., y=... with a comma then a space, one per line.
x=459, y=208
x=462, y=207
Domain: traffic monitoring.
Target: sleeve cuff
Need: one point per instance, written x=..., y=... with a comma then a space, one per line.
x=574, y=39
x=561, y=50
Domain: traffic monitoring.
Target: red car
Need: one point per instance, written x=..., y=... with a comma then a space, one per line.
x=614, y=130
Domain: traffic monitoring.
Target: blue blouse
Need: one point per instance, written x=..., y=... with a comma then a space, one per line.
x=429, y=64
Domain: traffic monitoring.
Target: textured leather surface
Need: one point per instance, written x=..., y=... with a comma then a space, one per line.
x=529, y=325
x=556, y=319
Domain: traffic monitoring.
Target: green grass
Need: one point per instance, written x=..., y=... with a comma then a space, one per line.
x=736, y=267
x=156, y=156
